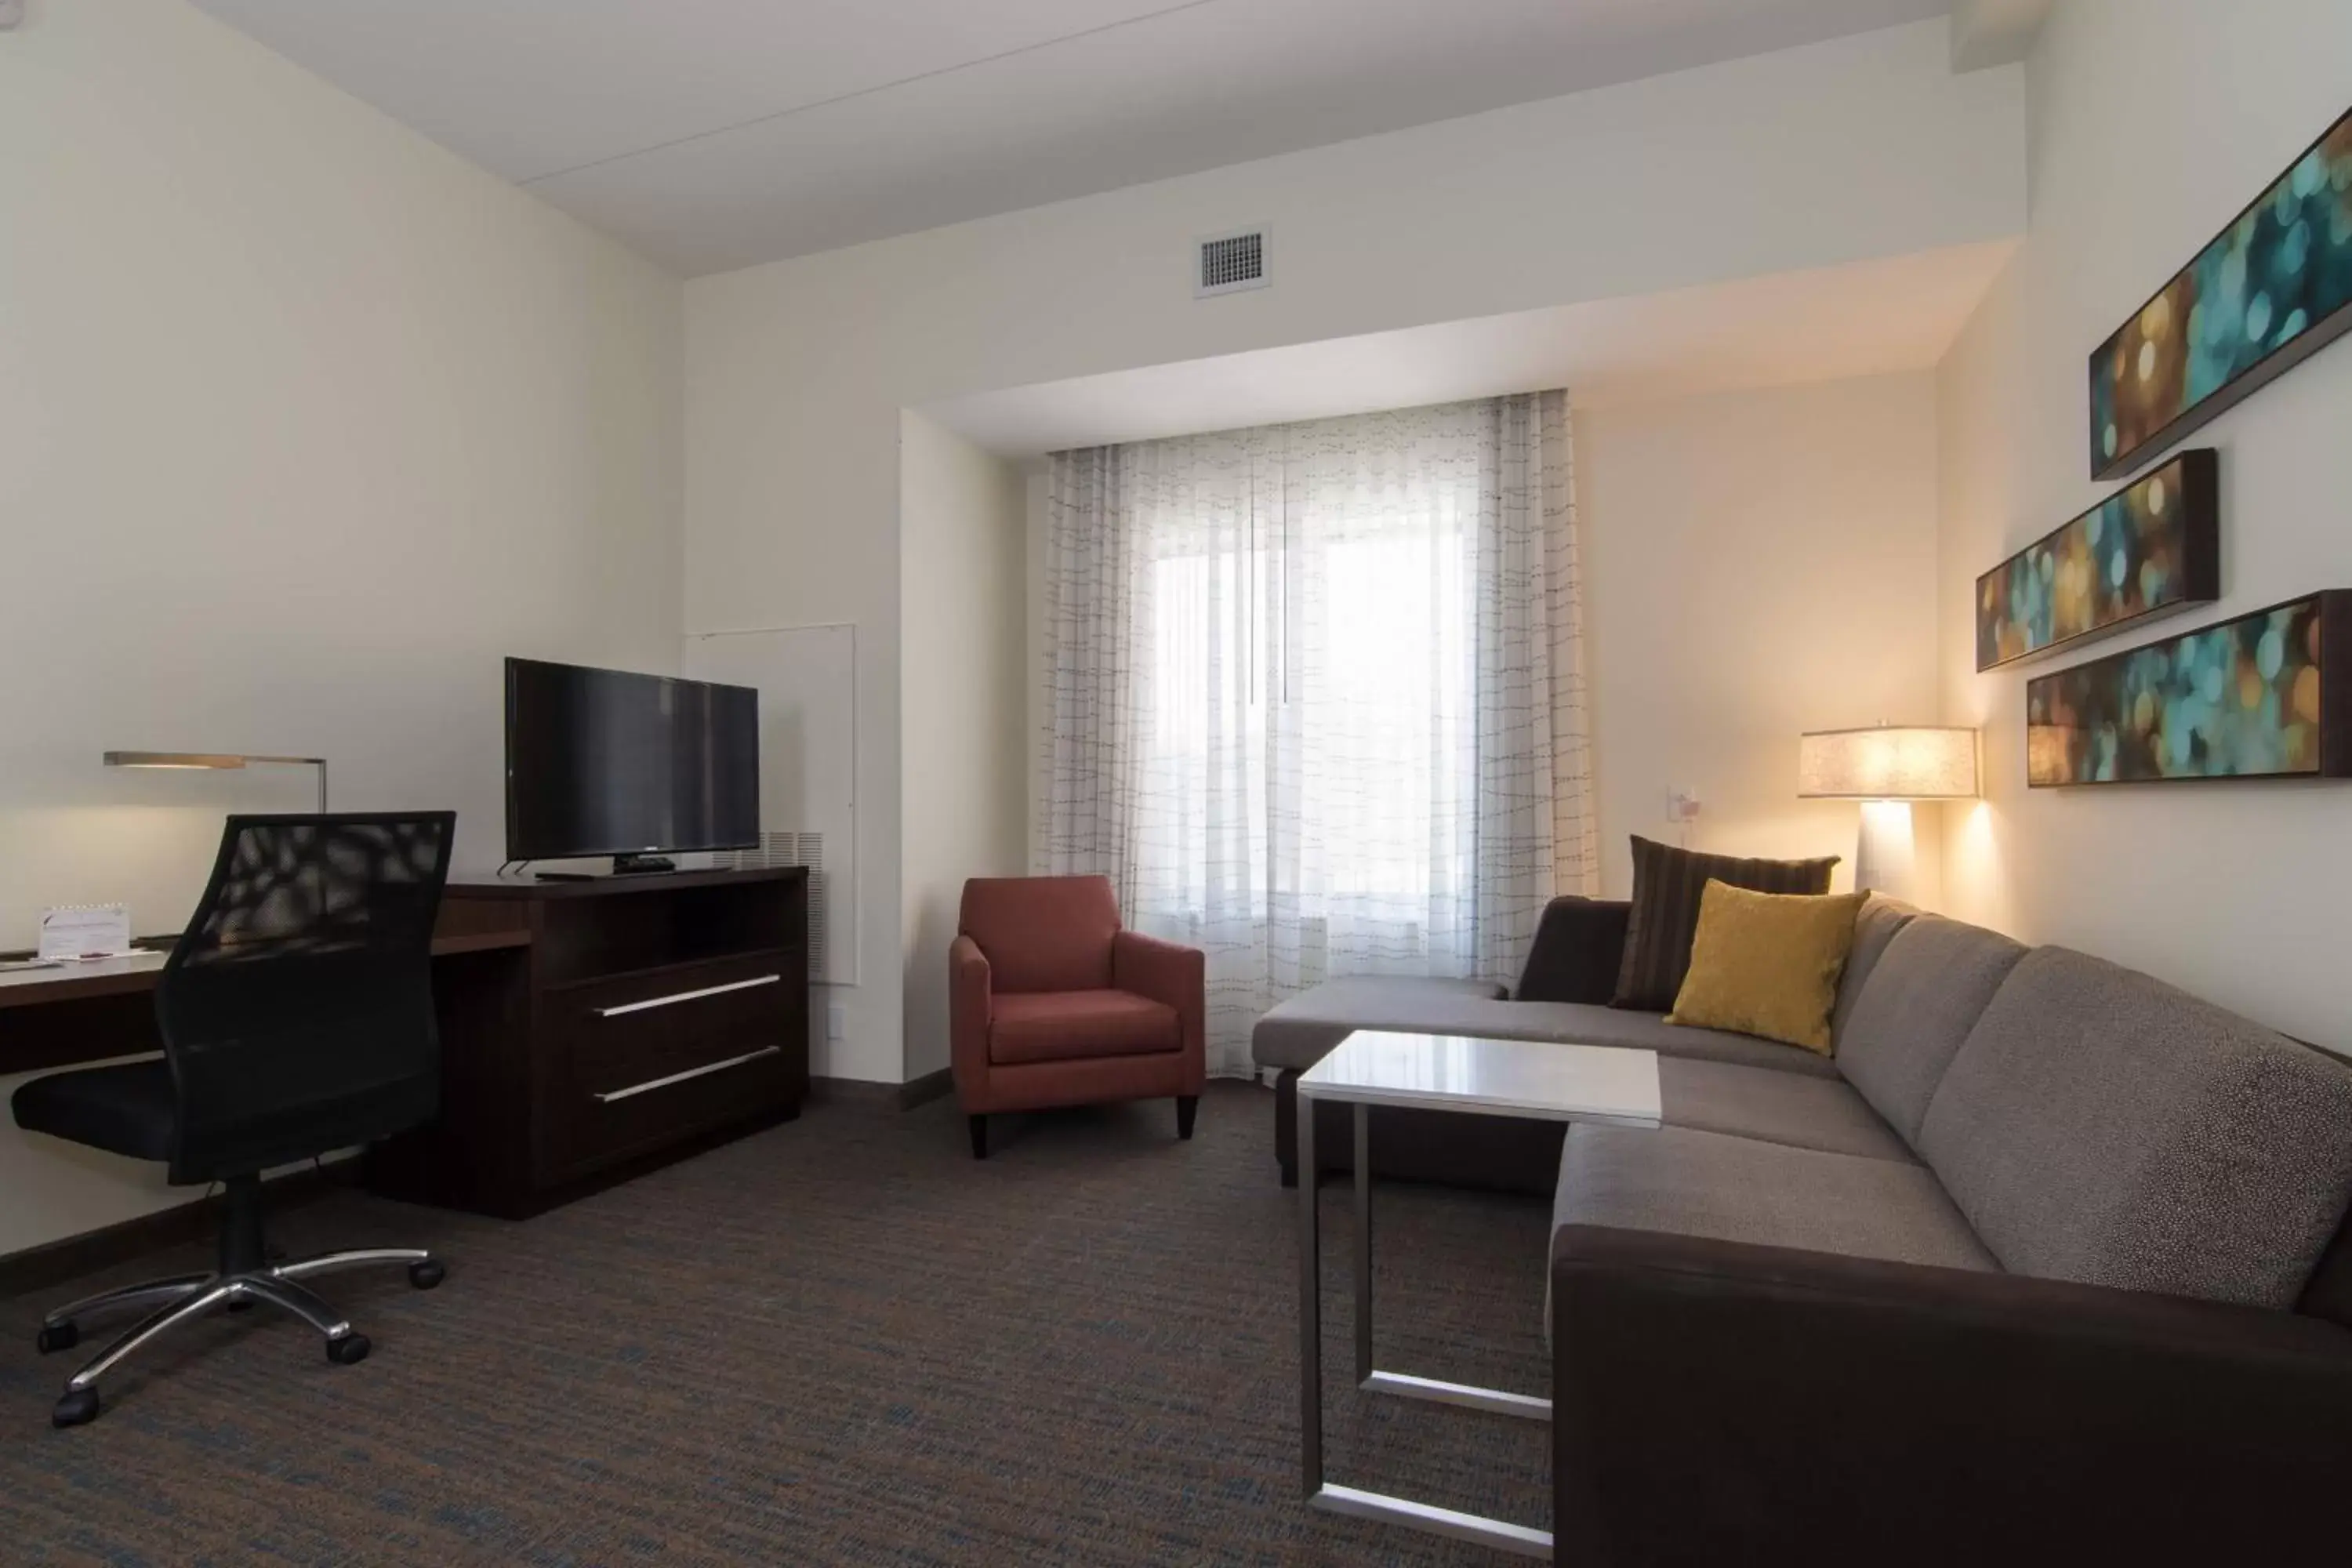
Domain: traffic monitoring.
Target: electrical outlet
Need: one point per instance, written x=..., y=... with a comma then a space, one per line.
x=1682, y=804
x=836, y=1021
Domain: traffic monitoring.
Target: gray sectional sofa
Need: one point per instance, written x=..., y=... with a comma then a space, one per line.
x=2048, y=1257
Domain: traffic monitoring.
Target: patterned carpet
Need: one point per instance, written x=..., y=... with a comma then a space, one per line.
x=842, y=1340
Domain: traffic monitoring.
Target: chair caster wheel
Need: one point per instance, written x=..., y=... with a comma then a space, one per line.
x=349, y=1350
x=54, y=1337
x=425, y=1275
x=76, y=1407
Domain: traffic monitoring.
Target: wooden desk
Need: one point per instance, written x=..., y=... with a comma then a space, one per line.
x=72, y=982
x=138, y=973
x=94, y=1012
x=587, y=1028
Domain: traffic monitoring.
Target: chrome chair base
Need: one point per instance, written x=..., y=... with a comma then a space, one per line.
x=183, y=1299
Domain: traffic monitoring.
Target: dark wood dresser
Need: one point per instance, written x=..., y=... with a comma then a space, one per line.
x=643, y=1018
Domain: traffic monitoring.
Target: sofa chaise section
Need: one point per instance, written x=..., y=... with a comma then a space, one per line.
x=1563, y=996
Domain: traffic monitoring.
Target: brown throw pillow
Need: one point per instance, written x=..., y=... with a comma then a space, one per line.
x=1667, y=884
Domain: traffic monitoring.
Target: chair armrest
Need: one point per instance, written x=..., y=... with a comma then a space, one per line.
x=969, y=1010
x=1174, y=975
x=1579, y=945
x=1836, y=1410
x=1164, y=971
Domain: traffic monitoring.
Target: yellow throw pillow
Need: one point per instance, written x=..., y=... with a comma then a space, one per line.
x=1767, y=964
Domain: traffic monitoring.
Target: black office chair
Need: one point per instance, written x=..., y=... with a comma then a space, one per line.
x=297, y=1016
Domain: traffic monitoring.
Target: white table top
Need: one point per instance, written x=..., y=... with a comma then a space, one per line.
x=1530, y=1078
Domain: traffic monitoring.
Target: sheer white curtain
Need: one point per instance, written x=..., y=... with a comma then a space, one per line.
x=1315, y=697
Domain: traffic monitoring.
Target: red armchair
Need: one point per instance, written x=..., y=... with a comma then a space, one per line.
x=1050, y=1003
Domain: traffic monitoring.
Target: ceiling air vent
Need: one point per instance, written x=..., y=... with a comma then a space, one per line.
x=1231, y=262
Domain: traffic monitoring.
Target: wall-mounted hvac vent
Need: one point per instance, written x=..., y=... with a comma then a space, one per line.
x=797, y=849
x=1231, y=262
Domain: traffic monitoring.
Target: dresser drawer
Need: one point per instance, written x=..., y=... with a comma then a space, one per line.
x=648, y=1058
x=588, y=1132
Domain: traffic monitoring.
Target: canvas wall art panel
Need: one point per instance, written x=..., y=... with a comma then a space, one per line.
x=2272, y=290
x=2142, y=552
x=2261, y=695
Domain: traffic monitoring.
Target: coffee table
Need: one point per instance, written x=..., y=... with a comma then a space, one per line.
x=1474, y=1077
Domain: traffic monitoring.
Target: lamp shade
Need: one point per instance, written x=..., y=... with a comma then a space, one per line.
x=1890, y=763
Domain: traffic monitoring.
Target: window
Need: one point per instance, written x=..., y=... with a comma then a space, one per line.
x=1270, y=724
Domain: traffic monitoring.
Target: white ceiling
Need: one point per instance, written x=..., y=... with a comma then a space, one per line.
x=1995, y=32
x=1870, y=317
x=711, y=134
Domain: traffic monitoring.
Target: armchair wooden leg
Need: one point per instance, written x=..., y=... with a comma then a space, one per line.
x=1186, y=1106
x=980, y=1137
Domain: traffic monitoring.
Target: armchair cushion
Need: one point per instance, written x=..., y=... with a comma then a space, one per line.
x=1068, y=1025
x=1042, y=933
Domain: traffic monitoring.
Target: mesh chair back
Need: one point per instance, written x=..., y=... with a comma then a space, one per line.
x=297, y=1010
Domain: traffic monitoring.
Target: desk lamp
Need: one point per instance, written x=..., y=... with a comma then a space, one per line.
x=215, y=760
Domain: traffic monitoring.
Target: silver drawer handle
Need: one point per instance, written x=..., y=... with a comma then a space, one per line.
x=677, y=997
x=612, y=1095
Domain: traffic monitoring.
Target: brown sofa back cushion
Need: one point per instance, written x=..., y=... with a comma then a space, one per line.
x=1042, y=933
x=1579, y=947
x=1667, y=883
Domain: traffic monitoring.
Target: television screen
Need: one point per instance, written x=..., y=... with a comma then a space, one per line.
x=601, y=761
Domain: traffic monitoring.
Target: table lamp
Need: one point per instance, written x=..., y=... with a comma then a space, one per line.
x=214, y=761
x=1886, y=769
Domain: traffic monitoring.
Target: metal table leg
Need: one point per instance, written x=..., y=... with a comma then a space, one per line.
x=1310, y=1310
x=1351, y=1501
x=1363, y=1242
x=1404, y=1385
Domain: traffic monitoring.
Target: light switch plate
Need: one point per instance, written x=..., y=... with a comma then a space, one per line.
x=836, y=1022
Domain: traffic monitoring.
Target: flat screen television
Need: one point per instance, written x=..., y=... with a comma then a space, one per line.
x=602, y=762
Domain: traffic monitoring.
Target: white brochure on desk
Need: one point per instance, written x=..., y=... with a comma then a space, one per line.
x=85, y=931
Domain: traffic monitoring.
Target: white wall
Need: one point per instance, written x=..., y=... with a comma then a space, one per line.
x=965, y=610
x=304, y=424
x=2154, y=122
x=1756, y=565
x=796, y=372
